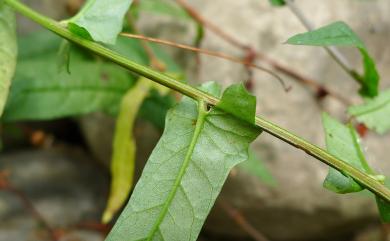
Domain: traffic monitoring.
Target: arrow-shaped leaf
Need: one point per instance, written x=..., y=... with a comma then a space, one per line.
x=185, y=173
x=100, y=20
x=343, y=142
x=340, y=34
x=374, y=113
x=8, y=51
x=255, y=166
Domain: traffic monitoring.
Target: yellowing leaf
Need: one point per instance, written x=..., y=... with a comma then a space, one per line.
x=124, y=148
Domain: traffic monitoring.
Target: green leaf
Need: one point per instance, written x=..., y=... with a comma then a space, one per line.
x=374, y=113
x=340, y=34
x=256, y=167
x=39, y=92
x=124, y=148
x=155, y=107
x=277, y=2
x=8, y=51
x=383, y=206
x=48, y=44
x=343, y=142
x=185, y=173
x=100, y=20
x=236, y=100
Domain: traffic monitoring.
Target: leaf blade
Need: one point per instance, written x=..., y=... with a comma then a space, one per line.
x=374, y=113
x=47, y=94
x=8, y=51
x=342, y=142
x=100, y=20
x=203, y=171
x=340, y=34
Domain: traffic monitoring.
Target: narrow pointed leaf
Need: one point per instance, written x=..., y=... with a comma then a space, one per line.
x=384, y=209
x=8, y=51
x=100, y=20
x=185, y=173
x=255, y=166
x=39, y=92
x=374, y=113
x=343, y=142
x=340, y=34
x=124, y=148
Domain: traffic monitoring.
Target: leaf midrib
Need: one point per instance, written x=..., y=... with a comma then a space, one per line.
x=373, y=109
x=202, y=113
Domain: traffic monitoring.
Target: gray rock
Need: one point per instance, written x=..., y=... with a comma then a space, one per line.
x=64, y=185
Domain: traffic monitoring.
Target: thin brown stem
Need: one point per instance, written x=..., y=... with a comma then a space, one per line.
x=5, y=185
x=320, y=89
x=333, y=52
x=206, y=52
x=214, y=28
x=154, y=61
x=242, y=222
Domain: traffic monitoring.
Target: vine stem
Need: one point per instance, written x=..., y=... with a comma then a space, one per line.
x=280, y=133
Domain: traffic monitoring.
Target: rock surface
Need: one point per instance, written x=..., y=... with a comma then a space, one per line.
x=63, y=185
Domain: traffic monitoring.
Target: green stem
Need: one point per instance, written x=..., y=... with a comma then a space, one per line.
x=311, y=149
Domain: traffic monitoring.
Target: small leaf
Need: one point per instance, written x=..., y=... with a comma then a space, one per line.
x=124, y=148
x=374, y=113
x=100, y=20
x=277, y=2
x=185, y=173
x=132, y=49
x=237, y=101
x=340, y=34
x=8, y=51
x=343, y=143
x=256, y=167
x=39, y=92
